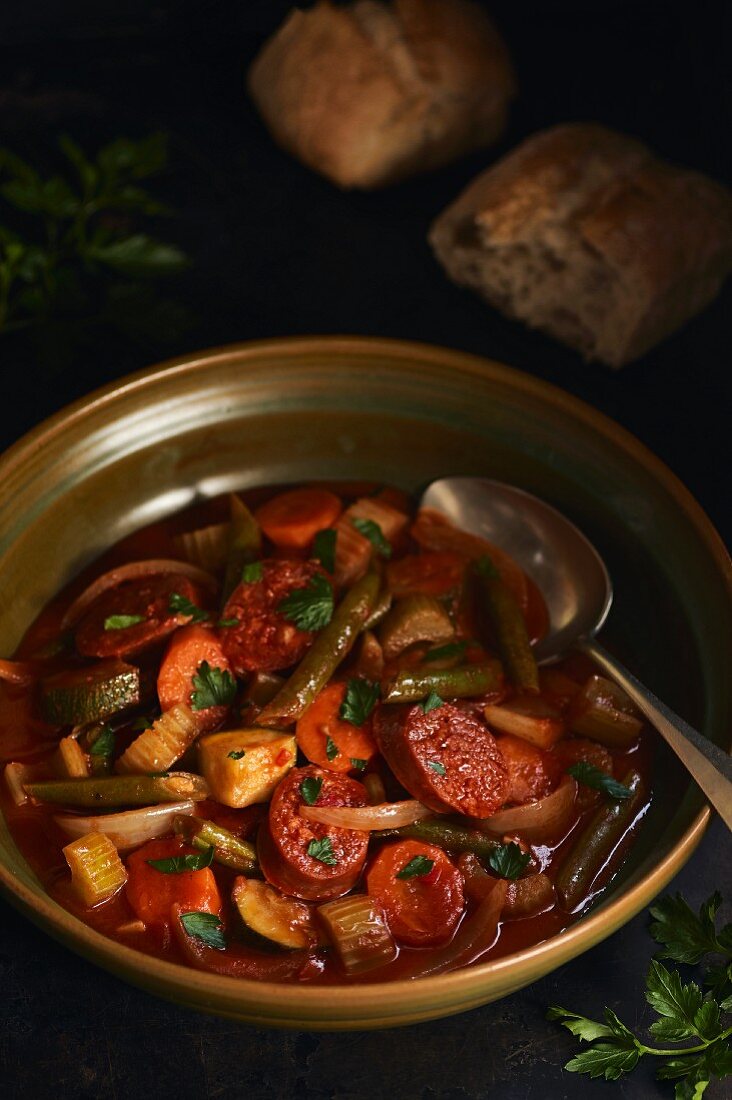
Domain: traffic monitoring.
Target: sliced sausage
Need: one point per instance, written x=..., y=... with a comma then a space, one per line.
x=146, y=597
x=285, y=837
x=532, y=772
x=263, y=640
x=445, y=758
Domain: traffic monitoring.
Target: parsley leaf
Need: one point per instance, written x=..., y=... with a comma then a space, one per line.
x=104, y=743
x=331, y=749
x=215, y=687
x=310, y=789
x=178, y=865
x=309, y=608
x=418, y=866
x=359, y=765
x=228, y=622
x=446, y=652
x=360, y=699
x=324, y=548
x=252, y=572
x=181, y=605
x=322, y=850
x=121, y=622
x=205, y=927
x=685, y=936
x=437, y=767
x=432, y=702
x=371, y=531
x=236, y=754
x=591, y=776
x=509, y=861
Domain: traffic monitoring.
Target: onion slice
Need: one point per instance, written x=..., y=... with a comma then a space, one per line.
x=130, y=572
x=17, y=672
x=536, y=821
x=387, y=815
x=129, y=828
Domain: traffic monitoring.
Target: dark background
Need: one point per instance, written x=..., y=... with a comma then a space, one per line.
x=276, y=251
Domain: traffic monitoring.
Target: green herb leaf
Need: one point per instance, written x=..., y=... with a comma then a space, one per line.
x=432, y=702
x=214, y=687
x=360, y=699
x=236, y=754
x=580, y=1026
x=322, y=850
x=670, y=997
x=309, y=608
x=437, y=767
x=371, y=531
x=324, y=548
x=181, y=605
x=418, y=866
x=178, y=865
x=594, y=777
x=446, y=652
x=685, y=936
x=606, y=1060
x=228, y=622
x=205, y=927
x=121, y=622
x=310, y=789
x=139, y=255
x=509, y=861
x=359, y=765
x=104, y=743
x=252, y=572
x=331, y=749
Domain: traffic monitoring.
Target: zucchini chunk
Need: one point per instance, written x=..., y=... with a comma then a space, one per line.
x=73, y=698
x=281, y=920
x=245, y=766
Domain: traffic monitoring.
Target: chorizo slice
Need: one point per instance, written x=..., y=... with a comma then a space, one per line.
x=445, y=758
x=532, y=772
x=261, y=639
x=146, y=601
x=304, y=858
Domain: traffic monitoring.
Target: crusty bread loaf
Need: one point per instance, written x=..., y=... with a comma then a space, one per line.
x=372, y=92
x=583, y=233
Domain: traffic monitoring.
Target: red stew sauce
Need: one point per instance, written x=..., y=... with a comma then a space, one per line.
x=316, y=650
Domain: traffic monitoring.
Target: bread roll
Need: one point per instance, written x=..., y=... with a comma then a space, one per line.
x=583, y=233
x=373, y=92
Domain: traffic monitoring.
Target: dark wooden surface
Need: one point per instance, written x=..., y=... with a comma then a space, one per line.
x=277, y=251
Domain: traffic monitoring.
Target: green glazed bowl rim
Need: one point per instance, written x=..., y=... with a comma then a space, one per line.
x=379, y=1004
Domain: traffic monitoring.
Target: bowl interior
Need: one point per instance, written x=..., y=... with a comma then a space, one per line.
x=288, y=411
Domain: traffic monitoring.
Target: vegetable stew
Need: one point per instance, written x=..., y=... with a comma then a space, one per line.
x=300, y=735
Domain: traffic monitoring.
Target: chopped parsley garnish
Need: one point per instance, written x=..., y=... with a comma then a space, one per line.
x=371, y=531
x=322, y=850
x=215, y=687
x=252, y=572
x=360, y=699
x=104, y=743
x=324, y=548
x=432, y=702
x=309, y=608
x=205, y=927
x=228, y=622
x=436, y=766
x=418, y=866
x=178, y=865
x=236, y=754
x=445, y=652
x=121, y=622
x=359, y=765
x=509, y=861
x=331, y=749
x=181, y=605
x=591, y=776
x=310, y=789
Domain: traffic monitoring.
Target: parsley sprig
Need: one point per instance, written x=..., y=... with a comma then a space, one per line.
x=370, y=530
x=181, y=605
x=122, y=622
x=359, y=701
x=591, y=776
x=214, y=687
x=685, y=1014
x=309, y=608
x=509, y=861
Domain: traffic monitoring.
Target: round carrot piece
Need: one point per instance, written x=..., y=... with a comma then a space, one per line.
x=420, y=889
x=152, y=893
x=293, y=519
x=327, y=739
x=188, y=648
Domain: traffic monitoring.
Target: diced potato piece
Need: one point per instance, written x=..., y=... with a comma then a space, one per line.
x=97, y=872
x=245, y=766
x=284, y=921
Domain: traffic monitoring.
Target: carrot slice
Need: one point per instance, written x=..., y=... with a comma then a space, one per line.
x=421, y=908
x=188, y=648
x=152, y=893
x=328, y=740
x=292, y=520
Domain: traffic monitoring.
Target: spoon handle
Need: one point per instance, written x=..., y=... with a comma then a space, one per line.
x=709, y=765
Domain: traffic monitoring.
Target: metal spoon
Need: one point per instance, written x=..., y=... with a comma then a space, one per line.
x=578, y=592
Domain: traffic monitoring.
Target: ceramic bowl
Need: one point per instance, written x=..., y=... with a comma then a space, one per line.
x=288, y=410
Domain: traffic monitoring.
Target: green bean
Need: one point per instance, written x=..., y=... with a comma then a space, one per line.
x=445, y=834
x=245, y=544
x=120, y=790
x=328, y=650
x=597, y=842
x=229, y=850
x=414, y=619
x=449, y=683
x=381, y=607
x=509, y=626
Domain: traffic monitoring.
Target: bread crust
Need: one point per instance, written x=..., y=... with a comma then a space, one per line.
x=582, y=232
x=371, y=93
